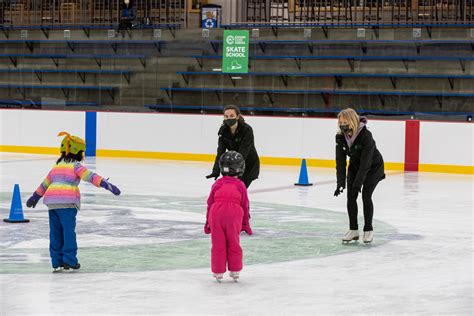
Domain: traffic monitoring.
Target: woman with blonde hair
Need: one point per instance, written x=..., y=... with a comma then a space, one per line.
x=366, y=169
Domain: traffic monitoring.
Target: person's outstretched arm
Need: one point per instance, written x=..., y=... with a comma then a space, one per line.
x=341, y=163
x=247, y=142
x=210, y=201
x=95, y=179
x=246, y=207
x=87, y=175
x=40, y=191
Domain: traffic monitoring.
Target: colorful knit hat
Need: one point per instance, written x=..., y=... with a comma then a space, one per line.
x=72, y=144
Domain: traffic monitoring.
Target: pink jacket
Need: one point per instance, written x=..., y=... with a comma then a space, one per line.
x=229, y=192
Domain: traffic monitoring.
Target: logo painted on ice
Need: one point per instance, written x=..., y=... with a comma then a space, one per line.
x=169, y=230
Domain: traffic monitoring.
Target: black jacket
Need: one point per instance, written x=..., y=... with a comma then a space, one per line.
x=243, y=142
x=366, y=163
x=131, y=9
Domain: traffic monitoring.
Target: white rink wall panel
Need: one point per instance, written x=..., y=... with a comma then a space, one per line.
x=390, y=139
x=447, y=143
x=197, y=134
x=38, y=128
x=157, y=132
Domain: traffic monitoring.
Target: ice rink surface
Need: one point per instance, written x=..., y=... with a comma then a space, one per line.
x=145, y=252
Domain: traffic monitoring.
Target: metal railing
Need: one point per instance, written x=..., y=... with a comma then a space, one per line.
x=292, y=12
x=345, y=12
x=91, y=12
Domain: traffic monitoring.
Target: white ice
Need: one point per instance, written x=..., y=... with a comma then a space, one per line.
x=431, y=273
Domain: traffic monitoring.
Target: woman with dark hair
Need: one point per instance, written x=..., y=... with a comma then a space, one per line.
x=366, y=169
x=235, y=134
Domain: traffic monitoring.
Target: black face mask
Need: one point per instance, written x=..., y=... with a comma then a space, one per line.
x=345, y=128
x=230, y=122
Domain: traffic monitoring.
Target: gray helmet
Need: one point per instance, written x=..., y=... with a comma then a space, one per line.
x=232, y=163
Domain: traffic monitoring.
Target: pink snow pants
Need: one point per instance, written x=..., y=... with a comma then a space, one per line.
x=226, y=223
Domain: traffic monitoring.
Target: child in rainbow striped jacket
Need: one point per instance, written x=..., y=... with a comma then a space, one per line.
x=63, y=198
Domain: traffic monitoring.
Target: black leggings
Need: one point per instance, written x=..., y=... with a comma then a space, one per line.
x=352, y=209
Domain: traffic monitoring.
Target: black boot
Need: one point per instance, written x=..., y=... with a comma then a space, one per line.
x=66, y=266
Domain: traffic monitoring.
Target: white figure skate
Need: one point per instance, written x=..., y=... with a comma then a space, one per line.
x=350, y=236
x=218, y=276
x=234, y=275
x=368, y=237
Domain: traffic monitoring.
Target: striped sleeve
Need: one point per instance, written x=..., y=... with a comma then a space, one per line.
x=87, y=175
x=43, y=187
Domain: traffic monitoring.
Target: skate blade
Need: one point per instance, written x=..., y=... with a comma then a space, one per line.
x=345, y=242
x=218, y=280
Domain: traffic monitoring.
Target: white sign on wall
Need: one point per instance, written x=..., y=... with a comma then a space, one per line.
x=361, y=32
x=417, y=32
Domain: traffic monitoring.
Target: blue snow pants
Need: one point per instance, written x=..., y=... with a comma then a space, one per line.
x=62, y=236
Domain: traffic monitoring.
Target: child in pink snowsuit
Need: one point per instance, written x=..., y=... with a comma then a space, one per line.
x=228, y=215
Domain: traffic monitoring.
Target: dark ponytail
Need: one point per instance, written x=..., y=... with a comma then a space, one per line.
x=237, y=111
x=71, y=157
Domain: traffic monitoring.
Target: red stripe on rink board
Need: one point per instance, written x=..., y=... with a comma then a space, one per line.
x=412, y=145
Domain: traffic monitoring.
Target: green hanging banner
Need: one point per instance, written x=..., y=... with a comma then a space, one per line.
x=235, y=55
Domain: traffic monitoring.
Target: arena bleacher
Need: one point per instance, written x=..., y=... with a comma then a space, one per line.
x=306, y=57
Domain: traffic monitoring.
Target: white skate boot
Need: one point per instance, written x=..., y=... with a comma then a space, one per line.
x=218, y=276
x=368, y=237
x=350, y=235
x=234, y=275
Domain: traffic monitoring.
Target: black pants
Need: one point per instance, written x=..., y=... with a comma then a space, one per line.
x=125, y=24
x=352, y=209
x=252, y=171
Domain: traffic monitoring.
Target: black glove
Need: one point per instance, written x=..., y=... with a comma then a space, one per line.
x=33, y=200
x=339, y=190
x=213, y=175
x=357, y=189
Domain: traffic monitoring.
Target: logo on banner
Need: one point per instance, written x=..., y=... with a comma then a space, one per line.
x=235, y=54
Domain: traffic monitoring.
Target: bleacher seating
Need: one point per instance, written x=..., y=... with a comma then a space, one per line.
x=393, y=77
x=294, y=110
x=362, y=44
x=74, y=44
x=349, y=58
x=39, y=104
x=326, y=94
x=80, y=72
x=98, y=58
x=286, y=72
x=66, y=89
